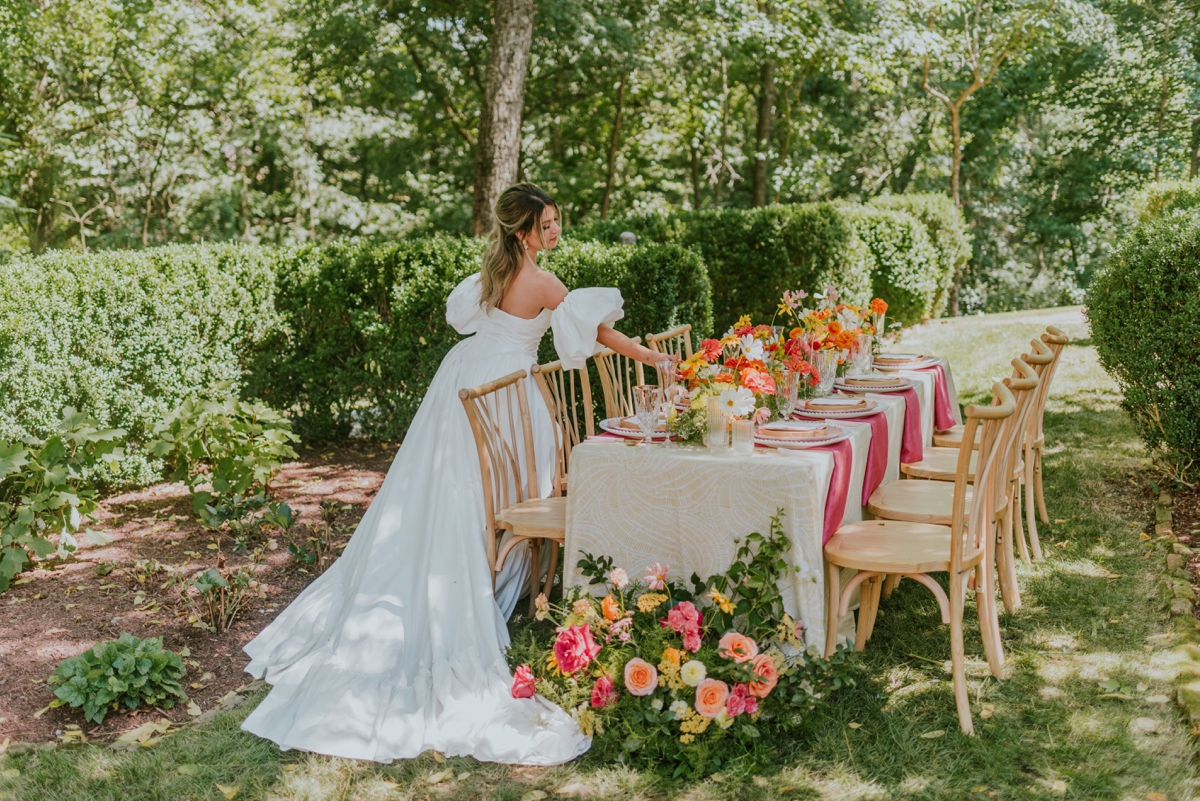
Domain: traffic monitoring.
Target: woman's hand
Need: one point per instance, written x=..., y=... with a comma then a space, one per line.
x=654, y=358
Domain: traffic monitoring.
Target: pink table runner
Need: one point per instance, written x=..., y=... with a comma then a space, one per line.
x=943, y=414
x=912, y=448
x=839, y=485
x=877, y=455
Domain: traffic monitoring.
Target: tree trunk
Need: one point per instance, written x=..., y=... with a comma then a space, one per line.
x=1194, y=172
x=955, y=156
x=695, y=178
x=499, y=144
x=762, y=137
x=612, y=148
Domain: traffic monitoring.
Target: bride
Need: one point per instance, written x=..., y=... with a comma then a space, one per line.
x=399, y=647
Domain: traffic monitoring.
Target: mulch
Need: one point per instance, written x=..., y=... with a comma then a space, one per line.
x=1185, y=523
x=70, y=605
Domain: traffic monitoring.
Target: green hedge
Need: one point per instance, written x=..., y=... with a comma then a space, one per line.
x=1144, y=310
x=125, y=336
x=753, y=255
x=948, y=233
x=904, y=249
x=364, y=326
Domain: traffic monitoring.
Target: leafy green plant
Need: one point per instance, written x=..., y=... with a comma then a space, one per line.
x=216, y=597
x=319, y=548
x=1144, y=311
x=46, y=491
x=129, y=671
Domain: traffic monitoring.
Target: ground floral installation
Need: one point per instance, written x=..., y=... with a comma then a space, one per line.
x=745, y=366
x=678, y=679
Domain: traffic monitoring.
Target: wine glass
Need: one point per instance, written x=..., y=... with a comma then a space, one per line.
x=667, y=383
x=647, y=400
x=788, y=388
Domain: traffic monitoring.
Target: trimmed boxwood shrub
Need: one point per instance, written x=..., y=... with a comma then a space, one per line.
x=125, y=336
x=753, y=255
x=906, y=265
x=364, y=326
x=1144, y=310
x=947, y=230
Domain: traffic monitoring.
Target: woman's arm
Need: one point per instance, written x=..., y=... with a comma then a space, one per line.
x=614, y=339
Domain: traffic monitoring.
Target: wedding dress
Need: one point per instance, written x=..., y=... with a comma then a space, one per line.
x=399, y=646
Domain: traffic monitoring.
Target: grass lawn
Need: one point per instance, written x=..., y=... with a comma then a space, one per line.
x=1092, y=612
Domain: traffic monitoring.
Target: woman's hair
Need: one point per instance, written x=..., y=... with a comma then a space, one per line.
x=518, y=210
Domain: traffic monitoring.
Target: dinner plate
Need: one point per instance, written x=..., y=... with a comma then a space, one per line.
x=849, y=413
x=870, y=380
x=915, y=363
x=832, y=433
x=616, y=425
x=901, y=384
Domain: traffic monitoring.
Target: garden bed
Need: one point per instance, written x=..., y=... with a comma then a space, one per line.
x=63, y=608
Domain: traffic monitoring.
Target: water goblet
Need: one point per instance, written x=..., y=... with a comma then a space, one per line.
x=825, y=361
x=667, y=383
x=788, y=391
x=647, y=402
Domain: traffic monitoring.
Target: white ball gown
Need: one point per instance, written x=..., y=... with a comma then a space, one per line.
x=399, y=647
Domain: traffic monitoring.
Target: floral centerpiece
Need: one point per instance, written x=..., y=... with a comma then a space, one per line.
x=686, y=678
x=742, y=369
x=830, y=325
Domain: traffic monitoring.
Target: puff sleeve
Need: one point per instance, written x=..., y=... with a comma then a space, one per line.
x=464, y=310
x=576, y=320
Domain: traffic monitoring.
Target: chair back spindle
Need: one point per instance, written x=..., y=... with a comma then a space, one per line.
x=677, y=341
x=568, y=396
x=618, y=376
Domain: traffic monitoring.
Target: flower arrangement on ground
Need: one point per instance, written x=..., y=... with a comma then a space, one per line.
x=678, y=678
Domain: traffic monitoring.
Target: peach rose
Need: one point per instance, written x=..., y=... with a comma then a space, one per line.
x=767, y=676
x=641, y=677
x=711, y=695
x=737, y=647
x=611, y=610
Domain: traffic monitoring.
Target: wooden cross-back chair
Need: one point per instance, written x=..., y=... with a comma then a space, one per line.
x=618, y=376
x=677, y=341
x=932, y=501
x=500, y=422
x=962, y=549
x=568, y=396
x=1055, y=340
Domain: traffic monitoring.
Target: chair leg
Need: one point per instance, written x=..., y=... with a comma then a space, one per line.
x=958, y=655
x=1030, y=514
x=989, y=623
x=1019, y=534
x=833, y=596
x=1041, y=502
x=868, y=600
x=893, y=581
x=535, y=572
x=1006, y=564
x=873, y=612
x=553, y=568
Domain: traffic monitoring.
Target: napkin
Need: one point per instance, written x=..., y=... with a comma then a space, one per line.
x=899, y=357
x=839, y=483
x=871, y=381
x=835, y=403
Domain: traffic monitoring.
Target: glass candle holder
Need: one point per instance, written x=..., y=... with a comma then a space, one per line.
x=743, y=436
x=860, y=356
x=717, y=439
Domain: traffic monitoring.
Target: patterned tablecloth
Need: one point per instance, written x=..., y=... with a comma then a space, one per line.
x=687, y=507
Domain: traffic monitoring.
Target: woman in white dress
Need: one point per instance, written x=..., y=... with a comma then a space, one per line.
x=399, y=647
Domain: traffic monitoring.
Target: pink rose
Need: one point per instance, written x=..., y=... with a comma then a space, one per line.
x=685, y=615
x=523, y=684
x=738, y=647
x=741, y=701
x=691, y=640
x=751, y=705
x=604, y=693
x=575, y=649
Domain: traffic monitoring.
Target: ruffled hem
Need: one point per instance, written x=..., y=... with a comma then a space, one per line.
x=577, y=321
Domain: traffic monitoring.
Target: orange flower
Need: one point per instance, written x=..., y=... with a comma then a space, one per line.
x=611, y=610
x=796, y=333
x=671, y=656
x=835, y=327
x=737, y=647
x=711, y=696
x=641, y=678
x=766, y=676
x=879, y=306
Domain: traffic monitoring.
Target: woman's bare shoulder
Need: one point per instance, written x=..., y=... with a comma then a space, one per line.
x=551, y=288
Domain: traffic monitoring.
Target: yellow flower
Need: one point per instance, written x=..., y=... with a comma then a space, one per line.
x=742, y=322
x=721, y=601
x=687, y=738
x=700, y=401
x=552, y=665
x=650, y=601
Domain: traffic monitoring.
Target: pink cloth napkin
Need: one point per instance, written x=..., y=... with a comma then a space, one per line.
x=877, y=454
x=912, y=447
x=943, y=415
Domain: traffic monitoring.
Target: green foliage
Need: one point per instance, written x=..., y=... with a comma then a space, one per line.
x=46, y=490
x=215, y=597
x=906, y=271
x=1165, y=197
x=231, y=446
x=1144, y=311
x=125, y=336
x=129, y=671
x=364, y=325
x=753, y=255
x=947, y=230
